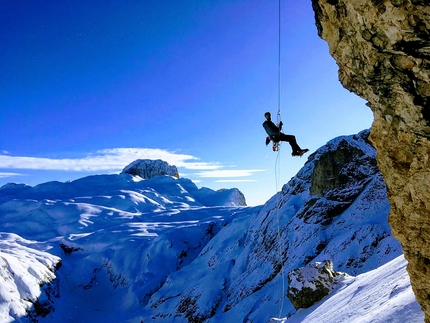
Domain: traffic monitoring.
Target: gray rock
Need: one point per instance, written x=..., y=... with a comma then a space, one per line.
x=310, y=284
x=147, y=168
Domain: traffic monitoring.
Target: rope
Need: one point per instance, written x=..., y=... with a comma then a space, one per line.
x=277, y=164
x=278, y=217
x=279, y=59
x=279, y=66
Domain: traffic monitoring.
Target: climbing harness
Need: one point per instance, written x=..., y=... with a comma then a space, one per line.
x=276, y=145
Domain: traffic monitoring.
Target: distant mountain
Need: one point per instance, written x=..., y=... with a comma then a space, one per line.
x=147, y=168
x=117, y=248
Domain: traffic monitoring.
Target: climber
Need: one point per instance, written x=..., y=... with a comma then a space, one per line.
x=274, y=133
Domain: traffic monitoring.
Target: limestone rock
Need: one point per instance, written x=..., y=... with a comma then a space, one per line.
x=147, y=168
x=343, y=167
x=382, y=49
x=310, y=284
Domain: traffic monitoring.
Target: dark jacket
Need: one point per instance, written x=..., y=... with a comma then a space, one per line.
x=271, y=128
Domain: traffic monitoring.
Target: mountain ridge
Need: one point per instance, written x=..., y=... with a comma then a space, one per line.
x=151, y=250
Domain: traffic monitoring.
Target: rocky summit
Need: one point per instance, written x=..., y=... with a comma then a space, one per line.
x=382, y=49
x=148, y=168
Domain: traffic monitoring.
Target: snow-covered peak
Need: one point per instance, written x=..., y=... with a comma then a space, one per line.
x=148, y=168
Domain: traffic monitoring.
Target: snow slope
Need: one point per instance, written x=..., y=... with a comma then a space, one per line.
x=24, y=266
x=119, y=237
x=162, y=250
x=381, y=295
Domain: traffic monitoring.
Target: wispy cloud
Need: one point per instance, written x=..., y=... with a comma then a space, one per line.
x=114, y=160
x=4, y=175
x=229, y=173
x=235, y=180
x=104, y=160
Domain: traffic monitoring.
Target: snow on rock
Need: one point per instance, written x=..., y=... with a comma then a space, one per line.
x=380, y=295
x=24, y=268
x=226, y=197
x=308, y=285
x=147, y=168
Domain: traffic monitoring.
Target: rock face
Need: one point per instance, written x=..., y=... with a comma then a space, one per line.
x=334, y=208
x=225, y=197
x=382, y=49
x=147, y=168
x=310, y=284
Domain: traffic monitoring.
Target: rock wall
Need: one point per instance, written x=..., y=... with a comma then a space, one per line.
x=382, y=49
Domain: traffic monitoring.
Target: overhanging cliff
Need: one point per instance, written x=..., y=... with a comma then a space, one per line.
x=382, y=49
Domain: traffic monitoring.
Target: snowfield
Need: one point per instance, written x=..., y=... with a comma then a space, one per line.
x=116, y=248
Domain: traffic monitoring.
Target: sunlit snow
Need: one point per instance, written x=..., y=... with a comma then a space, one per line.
x=162, y=250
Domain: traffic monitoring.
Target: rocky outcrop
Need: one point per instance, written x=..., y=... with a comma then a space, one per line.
x=310, y=284
x=147, y=168
x=224, y=197
x=382, y=49
x=236, y=196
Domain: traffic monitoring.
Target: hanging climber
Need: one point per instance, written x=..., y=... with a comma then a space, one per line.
x=274, y=134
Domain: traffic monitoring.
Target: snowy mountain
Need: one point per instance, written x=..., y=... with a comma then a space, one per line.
x=117, y=248
x=147, y=168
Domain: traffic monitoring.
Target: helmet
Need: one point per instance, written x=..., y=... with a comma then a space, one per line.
x=267, y=114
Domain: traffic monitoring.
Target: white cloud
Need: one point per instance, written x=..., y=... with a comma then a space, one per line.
x=104, y=160
x=235, y=180
x=4, y=175
x=114, y=160
x=229, y=173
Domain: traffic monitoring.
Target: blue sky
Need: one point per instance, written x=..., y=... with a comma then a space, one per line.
x=89, y=86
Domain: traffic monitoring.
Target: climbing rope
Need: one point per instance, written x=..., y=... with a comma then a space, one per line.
x=277, y=166
x=279, y=238
x=279, y=62
x=277, y=145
